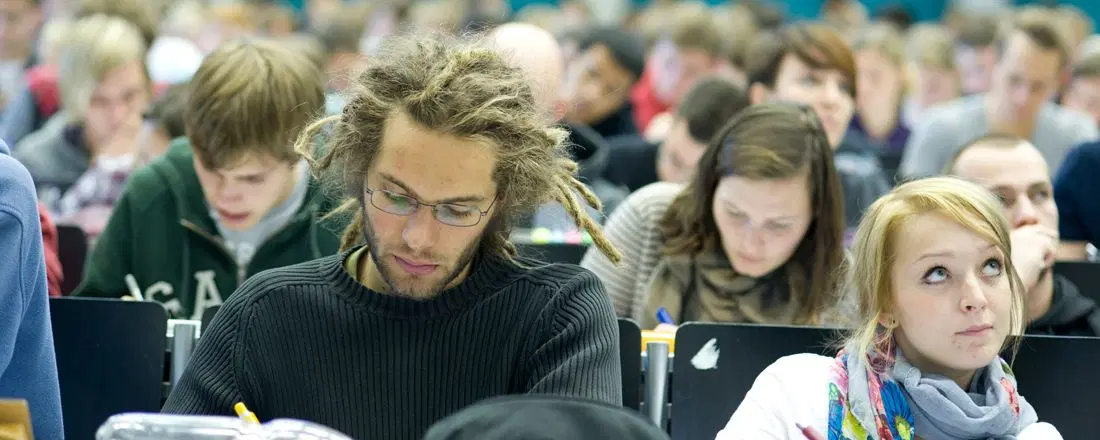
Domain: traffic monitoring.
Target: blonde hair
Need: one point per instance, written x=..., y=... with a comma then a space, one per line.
x=239, y=16
x=51, y=39
x=93, y=47
x=875, y=249
x=143, y=14
x=930, y=45
x=885, y=40
x=738, y=27
x=1077, y=24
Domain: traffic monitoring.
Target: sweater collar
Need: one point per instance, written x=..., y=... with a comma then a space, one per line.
x=489, y=274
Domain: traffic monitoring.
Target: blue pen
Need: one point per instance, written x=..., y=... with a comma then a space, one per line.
x=663, y=317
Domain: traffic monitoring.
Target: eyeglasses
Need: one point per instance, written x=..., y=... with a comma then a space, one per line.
x=446, y=213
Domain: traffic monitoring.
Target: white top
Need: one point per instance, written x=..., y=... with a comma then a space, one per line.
x=791, y=392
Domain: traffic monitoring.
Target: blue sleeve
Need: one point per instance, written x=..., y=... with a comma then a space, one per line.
x=28, y=366
x=1075, y=187
x=17, y=120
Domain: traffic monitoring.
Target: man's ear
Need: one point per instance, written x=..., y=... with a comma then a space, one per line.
x=759, y=94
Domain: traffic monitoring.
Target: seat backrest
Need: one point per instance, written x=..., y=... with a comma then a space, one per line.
x=553, y=252
x=72, y=250
x=704, y=399
x=1055, y=374
x=1086, y=275
x=630, y=349
x=110, y=359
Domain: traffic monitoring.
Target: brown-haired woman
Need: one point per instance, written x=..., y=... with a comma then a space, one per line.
x=811, y=64
x=757, y=236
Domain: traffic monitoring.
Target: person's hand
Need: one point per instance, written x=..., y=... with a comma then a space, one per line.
x=665, y=328
x=659, y=127
x=810, y=433
x=1034, y=248
x=124, y=141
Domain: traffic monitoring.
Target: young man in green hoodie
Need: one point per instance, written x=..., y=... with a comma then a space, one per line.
x=231, y=199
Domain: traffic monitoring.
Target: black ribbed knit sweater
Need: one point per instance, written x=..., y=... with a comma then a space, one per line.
x=310, y=342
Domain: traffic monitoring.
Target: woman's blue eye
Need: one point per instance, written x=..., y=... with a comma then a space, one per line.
x=935, y=275
x=992, y=268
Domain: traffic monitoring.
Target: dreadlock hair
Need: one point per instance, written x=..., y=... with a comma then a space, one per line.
x=462, y=87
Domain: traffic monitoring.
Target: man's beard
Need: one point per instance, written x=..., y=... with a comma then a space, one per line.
x=389, y=273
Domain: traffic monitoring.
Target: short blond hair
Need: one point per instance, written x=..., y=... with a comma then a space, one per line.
x=875, y=249
x=738, y=27
x=930, y=45
x=251, y=96
x=91, y=48
x=885, y=40
x=140, y=13
x=693, y=27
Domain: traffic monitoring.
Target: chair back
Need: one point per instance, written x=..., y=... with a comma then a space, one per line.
x=110, y=359
x=72, y=250
x=704, y=396
x=1086, y=275
x=630, y=349
x=1055, y=374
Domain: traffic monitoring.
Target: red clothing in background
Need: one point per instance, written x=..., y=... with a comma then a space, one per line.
x=54, y=272
x=645, y=101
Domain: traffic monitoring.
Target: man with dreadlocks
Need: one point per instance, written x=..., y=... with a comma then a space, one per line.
x=440, y=149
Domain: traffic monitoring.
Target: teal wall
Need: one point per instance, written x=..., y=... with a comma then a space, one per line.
x=922, y=10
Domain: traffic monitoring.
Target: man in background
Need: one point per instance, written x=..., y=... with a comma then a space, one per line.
x=538, y=54
x=1032, y=54
x=1014, y=170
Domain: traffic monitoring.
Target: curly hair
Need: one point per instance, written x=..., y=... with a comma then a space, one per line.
x=462, y=87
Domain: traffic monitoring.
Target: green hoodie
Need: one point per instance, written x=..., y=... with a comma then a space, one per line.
x=161, y=233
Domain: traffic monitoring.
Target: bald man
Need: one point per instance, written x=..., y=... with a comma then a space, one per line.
x=536, y=52
x=1014, y=170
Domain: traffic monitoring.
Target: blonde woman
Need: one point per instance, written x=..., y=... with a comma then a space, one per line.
x=938, y=300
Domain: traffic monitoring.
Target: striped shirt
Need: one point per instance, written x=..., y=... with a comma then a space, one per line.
x=633, y=229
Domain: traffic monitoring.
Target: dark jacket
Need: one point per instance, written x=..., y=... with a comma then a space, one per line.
x=592, y=154
x=861, y=177
x=1070, y=314
x=620, y=123
x=161, y=232
x=632, y=162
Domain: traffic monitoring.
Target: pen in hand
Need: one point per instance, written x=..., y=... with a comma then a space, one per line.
x=665, y=323
x=663, y=317
x=809, y=432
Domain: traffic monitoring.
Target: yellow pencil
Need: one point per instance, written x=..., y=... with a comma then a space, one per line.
x=245, y=414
